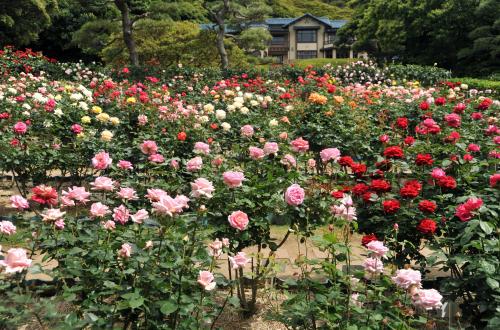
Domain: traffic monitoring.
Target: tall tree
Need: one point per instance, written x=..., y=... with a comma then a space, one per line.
x=233, y=16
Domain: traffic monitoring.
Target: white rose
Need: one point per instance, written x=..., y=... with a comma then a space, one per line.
x=225, y=126
x=220, y=114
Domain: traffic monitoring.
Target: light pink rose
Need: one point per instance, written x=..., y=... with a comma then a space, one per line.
x=217, y=161
x=103, y=183
x=239, y=260
x=427, y=299
x=238, y=220
x=154, y=195
x=194, y=164
x=78, y=194
x=7, y=228
x=201, y=187
x=225, y=242
x=373, y=265
x=299, y=145
x=206, y=280
x=256, y=153
x=121, y=214
x=99, y=210
x=377, y=248
x=125, y=165
x=283, y=136
x=142, y=120
x=345, y=212
x=20, y=128
x=289, y=161
x=59, y=224
x=174, y=164
x=167, y=205
x=407, y=277
x=126, y=251
x=202, y=148
x=294, y=195
x=271, y=148
x=19, y=202
x=149, y=147
x=329, y=154
x=438, y=173
x=109, y=225
x=52, y=215
x=215, y=248
x=247, y=131
x=127, y=193
x=182, y=201
x=101, y=161
x=156, y=158
x=233, y=179
x=15, y=261
x=140, y=216
x=149, y=245
x=311, y=163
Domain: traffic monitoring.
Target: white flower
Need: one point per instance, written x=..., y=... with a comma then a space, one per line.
x=208, y=108
x=244, y=110
x=220, y=114
x=254, y=103
x=225, y=126
x=273, y=123
x=203, y=119
x=237, y=105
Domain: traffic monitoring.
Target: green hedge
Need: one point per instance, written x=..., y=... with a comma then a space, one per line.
x=426, y=75
x=320, y=62
x=481, y=84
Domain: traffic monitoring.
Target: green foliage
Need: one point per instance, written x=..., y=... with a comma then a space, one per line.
x=426, y=75
x=480, y=84
x=293, y=8
x=254, y=38
x=320, y=62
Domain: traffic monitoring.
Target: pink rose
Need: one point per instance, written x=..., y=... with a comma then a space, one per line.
x=299, y=145
x=289, y=161
x=59, y=224
x=194, y=164
x=215, y=248
x=377, y=248
x=373, y=265
x=427, y=299
x=103, y=183
x=239, y=260
x=438, y=173
x=101, y=161
x=7, y=228
x=311, y=163
x=167, y=205
x=126, y=251
x=329, y=154
x=154, y=195
x=78, y=194
x=407, y=277
x=52, y=215
x=109, y=225
x=294, y=195
x=20, y=128
x=15, y=261
x=206, y=280
x=174, y=164
x=142, y=120
x=283, y=136
x=271, y=148
x=247, y=131
x=125, y=165
x=19, y=202
x=202, y=148
x=201, y=187
x=473, y=148
x=156, y=158
x=77, y=129
x=384, y=138
x=99, y=210
x=238, y=220
x=127, y=194
x=182, y=201
x=121, y=214
x=256, y=153
x=452, y=119
x=233, y=179
x=149, y=147
x=140, y=216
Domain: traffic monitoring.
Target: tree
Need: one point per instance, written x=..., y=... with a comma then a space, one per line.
x=233, y=15
x=21, y=21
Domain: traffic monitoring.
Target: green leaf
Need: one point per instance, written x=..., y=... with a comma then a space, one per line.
x=168, y=307
x=486, y=227
x=136, y=302
x=492, y=283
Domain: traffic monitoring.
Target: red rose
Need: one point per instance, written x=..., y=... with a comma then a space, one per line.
x=360, y=189
x=427, y=226
x=367, y=196
x=411, y=189
x=424, y=159
x=409, y=140
x=345, y=161
x=368, y=238
x=393, y=152
x=459, y=108
x=182, y=136
x=337, y=194
x=391, y=206
x=453, y=137
x=468, y=157
x=358, y=168
x=440, y=101
x=485, y=104
x=427, y=206
x=384, y=165
x=402, y=122
x=380, y=185
x=424, y=106
x=447, y=182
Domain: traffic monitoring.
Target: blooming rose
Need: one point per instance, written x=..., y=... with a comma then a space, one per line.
x=19, y=202
x=391, y=206
x=126, y=251
x=194, y=164
x=256, y=153
x=438, y=173
x=464, y=211
x=384, y=138
x=271, y=148
x=7, y=228
x=109, y=225
x=427, y=226
x=127, y=193
x=345, y=161
x=447, y=182
x=411, y=189
x=238, y=220
x=156, y=158
x=380, y=185
x=233, y=179
x=140, y=216
x=149, y=147
x=289, y=161
x=43, y=194
x=247, y=131
x=167, y=205
x=300, y=145
x=473, y=148
x=373, y=265
x=202, y=148
x=294, y=195
x=103, y=183
x=494, y=179
x=239, y=260
x=393, y=152
x=329, y=154
x=427, y=299
x=125, y=165
x=15, y=261
x=206, y=280
x=407, y=277
x=424, y=159
x=402, y=122
x=52, y=215
x=427, y=206
x=367, y=239
x=78, y=194
x=99, y=210
x=20, y=128
x=453, y=120
x=202, y=187
x=377, y=248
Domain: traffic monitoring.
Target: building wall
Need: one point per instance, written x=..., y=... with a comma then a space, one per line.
x=292, y=37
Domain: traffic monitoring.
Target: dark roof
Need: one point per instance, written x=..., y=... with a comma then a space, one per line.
x=335, y=24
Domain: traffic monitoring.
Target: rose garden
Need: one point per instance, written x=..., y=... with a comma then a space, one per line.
x=162, y=199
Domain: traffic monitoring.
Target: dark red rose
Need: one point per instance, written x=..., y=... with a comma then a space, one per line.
x=453, y=137
x=337, y=194
x=409, y=140
x=393, y=152
x=427, y=206
x=391, y=206
x=424, y=159
x=380, y=185
x=447, y=182
x=402, y=122
x=367, y=196
x=358, y=168
x=485, y=104
x=424, y=106
x=440, y=101
x=368, y=238
x=476, y=115
x=360, y=189
x=427, y=226
x=411, y=189
x=345, y=161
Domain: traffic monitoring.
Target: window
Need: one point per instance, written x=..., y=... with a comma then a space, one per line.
x=301, y=54
x=278, y=40
x=306, y=36
x=330, y=38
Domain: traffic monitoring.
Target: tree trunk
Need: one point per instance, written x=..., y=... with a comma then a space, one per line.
x=127, y=31
x=221, y=47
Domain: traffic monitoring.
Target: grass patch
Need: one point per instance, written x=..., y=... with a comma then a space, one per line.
x=319, y=62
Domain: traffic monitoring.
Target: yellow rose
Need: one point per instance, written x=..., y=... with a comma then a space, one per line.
x=103, y=117
x=106, y=136
x=131, y=100
x=114, y=120
x=80, y=136
x=97, y=110
x=68, y=88
x=58, y=97
x=86, y=119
